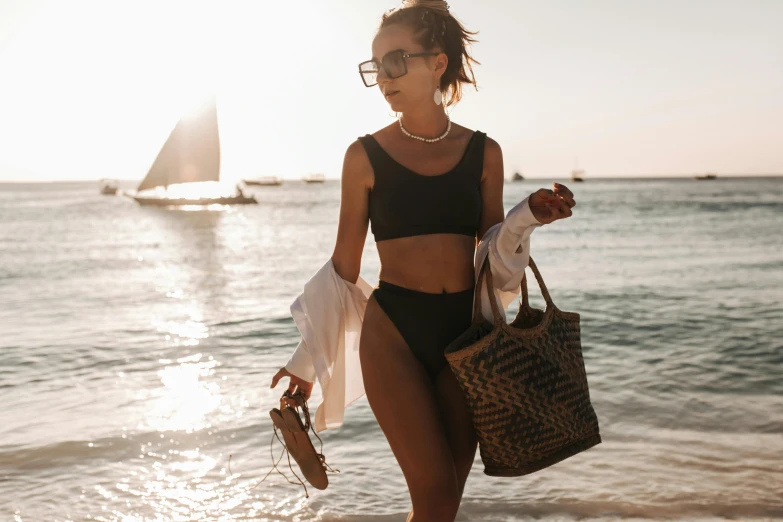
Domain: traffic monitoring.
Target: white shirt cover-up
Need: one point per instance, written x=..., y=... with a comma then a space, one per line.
x=330, y=310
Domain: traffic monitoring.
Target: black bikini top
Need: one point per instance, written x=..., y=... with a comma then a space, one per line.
x=404, y=203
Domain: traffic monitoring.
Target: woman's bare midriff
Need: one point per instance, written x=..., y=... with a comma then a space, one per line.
x=433, y=263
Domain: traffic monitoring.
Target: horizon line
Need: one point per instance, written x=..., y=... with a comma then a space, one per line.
x=526, y=178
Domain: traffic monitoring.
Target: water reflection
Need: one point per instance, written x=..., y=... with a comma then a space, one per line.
x=198, y=265
x=186, y=332
x=185, y=401
x=188, y=485
x=194, y=190
x=187, y=378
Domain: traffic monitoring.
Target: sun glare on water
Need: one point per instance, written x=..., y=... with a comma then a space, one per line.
x=194, y=191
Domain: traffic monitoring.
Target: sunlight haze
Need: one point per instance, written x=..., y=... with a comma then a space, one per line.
x=91, y=89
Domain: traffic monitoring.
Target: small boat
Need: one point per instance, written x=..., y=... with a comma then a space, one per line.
x=517, y=177
x=577, y=174
x=187, y=168
x=314, y=178
x=706, y=176
x=108, y=187
x=266, y=181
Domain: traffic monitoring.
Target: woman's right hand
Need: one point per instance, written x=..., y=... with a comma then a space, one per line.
x=294, y=384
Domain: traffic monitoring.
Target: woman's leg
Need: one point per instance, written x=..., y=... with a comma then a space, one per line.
x=457, y=423
x=403, y=398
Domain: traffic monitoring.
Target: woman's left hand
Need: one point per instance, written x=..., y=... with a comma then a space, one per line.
x=550, y=205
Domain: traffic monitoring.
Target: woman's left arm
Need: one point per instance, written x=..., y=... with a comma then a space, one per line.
x=492, y=180
x=545, y=205
x=510, y=239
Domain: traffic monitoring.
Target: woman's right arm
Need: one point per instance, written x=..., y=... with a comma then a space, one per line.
x=357, y=179
x=355, y=185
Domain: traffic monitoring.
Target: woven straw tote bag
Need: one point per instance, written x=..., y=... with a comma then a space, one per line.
x=525, y=384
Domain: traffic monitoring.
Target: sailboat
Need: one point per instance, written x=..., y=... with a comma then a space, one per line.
x=187, y=168
x=577, y=174
x=314, y=178
x=264, y=181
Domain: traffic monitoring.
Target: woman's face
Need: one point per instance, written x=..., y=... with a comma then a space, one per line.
x=418, y=85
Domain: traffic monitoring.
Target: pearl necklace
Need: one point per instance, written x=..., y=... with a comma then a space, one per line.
x=428, y=140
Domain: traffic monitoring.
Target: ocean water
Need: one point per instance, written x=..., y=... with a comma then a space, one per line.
x=138, y=345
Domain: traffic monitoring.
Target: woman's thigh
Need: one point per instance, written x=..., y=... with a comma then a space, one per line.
x=457, y=423
x=403, y=398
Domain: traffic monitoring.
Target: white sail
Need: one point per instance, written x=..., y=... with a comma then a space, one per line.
x=191, y=152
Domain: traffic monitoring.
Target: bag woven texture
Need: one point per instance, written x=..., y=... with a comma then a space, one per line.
x=525, y=384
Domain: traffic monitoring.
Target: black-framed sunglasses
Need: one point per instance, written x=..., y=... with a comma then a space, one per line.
x=394, y=64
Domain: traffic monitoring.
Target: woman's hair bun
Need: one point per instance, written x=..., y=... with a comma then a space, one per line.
x=439, y=6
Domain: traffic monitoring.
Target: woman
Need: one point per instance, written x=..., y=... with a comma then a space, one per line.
x=430, y=189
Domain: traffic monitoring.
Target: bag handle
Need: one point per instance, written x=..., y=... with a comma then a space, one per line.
x=541, y=286
x=496, y=315
x=497, y=318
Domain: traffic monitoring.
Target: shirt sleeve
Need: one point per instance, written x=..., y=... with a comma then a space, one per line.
x=510, y=251
x=301, y=363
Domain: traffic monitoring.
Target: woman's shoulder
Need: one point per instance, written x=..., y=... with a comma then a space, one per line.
x=356, y=164
x=358, y=148
x=464, y=134
x=383, y=131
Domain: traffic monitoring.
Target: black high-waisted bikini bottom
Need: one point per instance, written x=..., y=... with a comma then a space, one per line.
x=428, y=322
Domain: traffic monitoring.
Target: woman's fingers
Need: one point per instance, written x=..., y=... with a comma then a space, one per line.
x=565, y=194
x=549, y=205
x=563, y=201
x=280, y=374
x=554, y=201
x=303, y=386
x=563, y=190
x=544, y=197
x=309, y=389
x=295, y=384
x=543, y=204
x=291, y=386
x=564, y=209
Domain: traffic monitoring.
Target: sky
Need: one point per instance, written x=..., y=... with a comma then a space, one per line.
x=91, y=89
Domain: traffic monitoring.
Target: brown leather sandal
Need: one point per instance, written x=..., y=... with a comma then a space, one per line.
x=296, y=442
